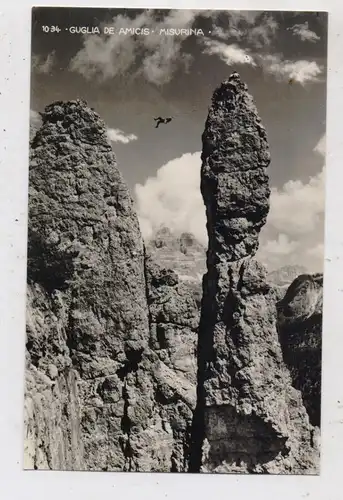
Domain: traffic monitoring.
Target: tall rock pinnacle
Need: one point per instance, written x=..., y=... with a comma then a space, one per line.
x=110, y=366
x=86, y=336
x=234, y=181
x=249, y=418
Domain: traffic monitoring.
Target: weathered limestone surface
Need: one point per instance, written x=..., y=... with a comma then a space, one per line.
x=300, y=332
x=84, y=238
x=249, y=418
x=91, y=377
x=180, y=252
x=128, y=367
x=174, y=319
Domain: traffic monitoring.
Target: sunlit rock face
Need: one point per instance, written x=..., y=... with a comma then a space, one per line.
x=135, y=361
x=110, y=369
x=249, y=417
x=299, y=324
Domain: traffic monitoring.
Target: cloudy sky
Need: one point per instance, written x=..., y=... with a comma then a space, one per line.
x=129, y=80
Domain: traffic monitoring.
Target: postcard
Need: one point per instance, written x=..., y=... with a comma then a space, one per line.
x=175, y=241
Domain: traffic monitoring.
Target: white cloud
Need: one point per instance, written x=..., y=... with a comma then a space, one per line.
x=34, y=115
x=263, y=33
x=41, y=65
x=300, y=71
x=105, y=57
x=230, y=54
x=321, y=146
x=35, y=122
x=304, y=33
x=317, y=251
x=164, y=52
x=247, y=17
x=230, y=32
x=294, y=231
x=173, y=198
x=256, y=29
x=280, y=246
x=116, y=135
x=298, y=206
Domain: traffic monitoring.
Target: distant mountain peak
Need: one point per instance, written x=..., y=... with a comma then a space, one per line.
x=180, y=251
x=178, y=241
x=285, y=275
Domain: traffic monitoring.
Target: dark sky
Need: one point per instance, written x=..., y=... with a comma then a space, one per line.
x=129, y=80
x=293, y=115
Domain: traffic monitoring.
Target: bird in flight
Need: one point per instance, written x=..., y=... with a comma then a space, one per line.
x=160, y=120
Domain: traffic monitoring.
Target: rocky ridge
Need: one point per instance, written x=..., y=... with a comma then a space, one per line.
x=249, y=417
x=127, y=368
x=91, y=376
x=299, y=322
x=173, y=319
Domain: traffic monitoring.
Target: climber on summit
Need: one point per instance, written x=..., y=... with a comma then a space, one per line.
x=160, y=120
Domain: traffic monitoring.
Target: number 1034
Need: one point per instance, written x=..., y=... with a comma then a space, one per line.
x=51, y=29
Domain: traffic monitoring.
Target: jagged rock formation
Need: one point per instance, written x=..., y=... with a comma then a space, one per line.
x=112, y=380
x=300, y=333
x=83, y=237
x=174, y=319
x=91, y=376
x=182, y=253
x=249, y=418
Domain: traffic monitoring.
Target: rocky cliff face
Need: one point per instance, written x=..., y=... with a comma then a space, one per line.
x=299, y=322
x=182, y=253
x=129, y=366
x=174, y=318
x=83, y=237
x=249, y=417
x=91, y=376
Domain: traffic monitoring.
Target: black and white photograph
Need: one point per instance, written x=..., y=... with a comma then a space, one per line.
x=175, y=243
